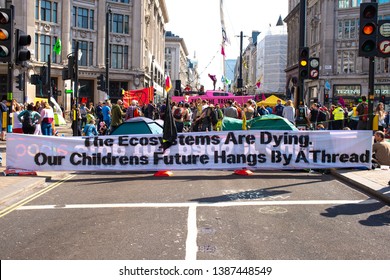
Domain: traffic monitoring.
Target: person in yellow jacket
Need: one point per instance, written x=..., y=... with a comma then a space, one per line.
x=338, y=116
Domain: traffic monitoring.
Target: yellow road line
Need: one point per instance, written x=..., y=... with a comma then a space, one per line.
x=18, y=204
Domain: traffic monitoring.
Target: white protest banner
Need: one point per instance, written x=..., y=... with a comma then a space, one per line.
x=208, y=150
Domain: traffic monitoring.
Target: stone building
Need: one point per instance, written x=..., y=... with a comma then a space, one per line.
x=332, y=34
x=136, y=46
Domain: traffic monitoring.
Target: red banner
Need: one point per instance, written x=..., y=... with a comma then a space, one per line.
x=143, y=96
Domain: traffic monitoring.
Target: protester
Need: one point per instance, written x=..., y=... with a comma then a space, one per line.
x=117, y=115
x=17, y=124
x=75, y=118
x=362, y=110
x=278, y=109
x=90, y=128
x=381, y=149
x=3, y=108
x=47, y=117
x=98, y=112
x=29, y=119
x=289, y=112
x=106, y=112
x=381, y=113
x=133, y=111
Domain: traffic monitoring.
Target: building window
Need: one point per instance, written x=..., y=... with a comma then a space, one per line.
x=382, y=65
x=346, y=62
x=46, y=10
x=120, y=23
x=344, y=4
x=119, y=57
x=86, y=49
x=83, y=18
x=121, y=1
x=347, y=29
x=44, y=45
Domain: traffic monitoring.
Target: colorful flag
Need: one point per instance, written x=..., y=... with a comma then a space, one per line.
x=168, y=84
x=169, y=128
x=57, y=47
x=263, y=97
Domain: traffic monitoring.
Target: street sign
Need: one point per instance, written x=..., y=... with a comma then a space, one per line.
x=384, y=47
x=313, y=74
x=383, y=42
x=68, y=91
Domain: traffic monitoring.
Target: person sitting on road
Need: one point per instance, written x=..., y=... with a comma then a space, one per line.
x=381, y=149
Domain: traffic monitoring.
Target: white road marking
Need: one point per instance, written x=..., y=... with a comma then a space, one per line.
x=192, y=234
x=197, y=204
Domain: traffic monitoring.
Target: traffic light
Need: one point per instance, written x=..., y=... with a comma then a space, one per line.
x=20, y=82
x=383, y=41
x=314, y=68
x=44, y=76
x=6, y=35
x=71, y=67
x=368, y=29
x=21, y=52
x=304, y=63
x=326, y=97
x=101, y=82
x=35, y=79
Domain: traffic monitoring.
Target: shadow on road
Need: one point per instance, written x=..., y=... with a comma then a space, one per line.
x=368, y=206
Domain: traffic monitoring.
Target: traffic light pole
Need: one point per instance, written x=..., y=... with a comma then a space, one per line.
x=76, y=88
x=371, y=91
x=10, y=86
x=302, y=30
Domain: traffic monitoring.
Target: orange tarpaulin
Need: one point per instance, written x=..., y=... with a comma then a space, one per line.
x=143, y=96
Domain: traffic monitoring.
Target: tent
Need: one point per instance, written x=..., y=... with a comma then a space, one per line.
x=266, y=122
x=270, y=101
x=139, y=125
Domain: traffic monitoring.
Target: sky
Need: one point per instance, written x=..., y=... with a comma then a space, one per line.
x=198, y=22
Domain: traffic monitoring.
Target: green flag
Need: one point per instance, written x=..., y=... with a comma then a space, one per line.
x=57, y=47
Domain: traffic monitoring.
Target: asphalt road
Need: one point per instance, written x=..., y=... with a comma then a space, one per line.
x=203, y=215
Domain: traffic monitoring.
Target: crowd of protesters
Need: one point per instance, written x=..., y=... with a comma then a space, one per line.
x=202, y=116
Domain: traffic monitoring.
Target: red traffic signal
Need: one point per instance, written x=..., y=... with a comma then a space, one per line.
x=368, y=29
x=6, y=35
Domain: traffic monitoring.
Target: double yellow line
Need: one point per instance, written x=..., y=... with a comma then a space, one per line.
x=13, y=207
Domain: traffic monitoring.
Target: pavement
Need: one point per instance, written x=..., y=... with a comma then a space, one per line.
x=374, y=182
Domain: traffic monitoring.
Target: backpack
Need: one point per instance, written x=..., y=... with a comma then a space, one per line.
x=27, y=120
x=321, y=116
x=214, y=116
x=178, y=113
x=219, y=114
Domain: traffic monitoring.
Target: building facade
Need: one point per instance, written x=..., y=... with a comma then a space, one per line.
x=136, y=46
x=332, y=34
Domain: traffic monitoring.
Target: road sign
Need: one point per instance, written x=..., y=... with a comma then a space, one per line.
x=314, y=74
x=383, y=44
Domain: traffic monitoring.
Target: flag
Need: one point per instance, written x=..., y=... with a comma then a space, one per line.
x=169, y=128
x=263, y=97
x=57, y=47
x=168, y=84
x=244, y=121
x=225, y=38
x=223, y=50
